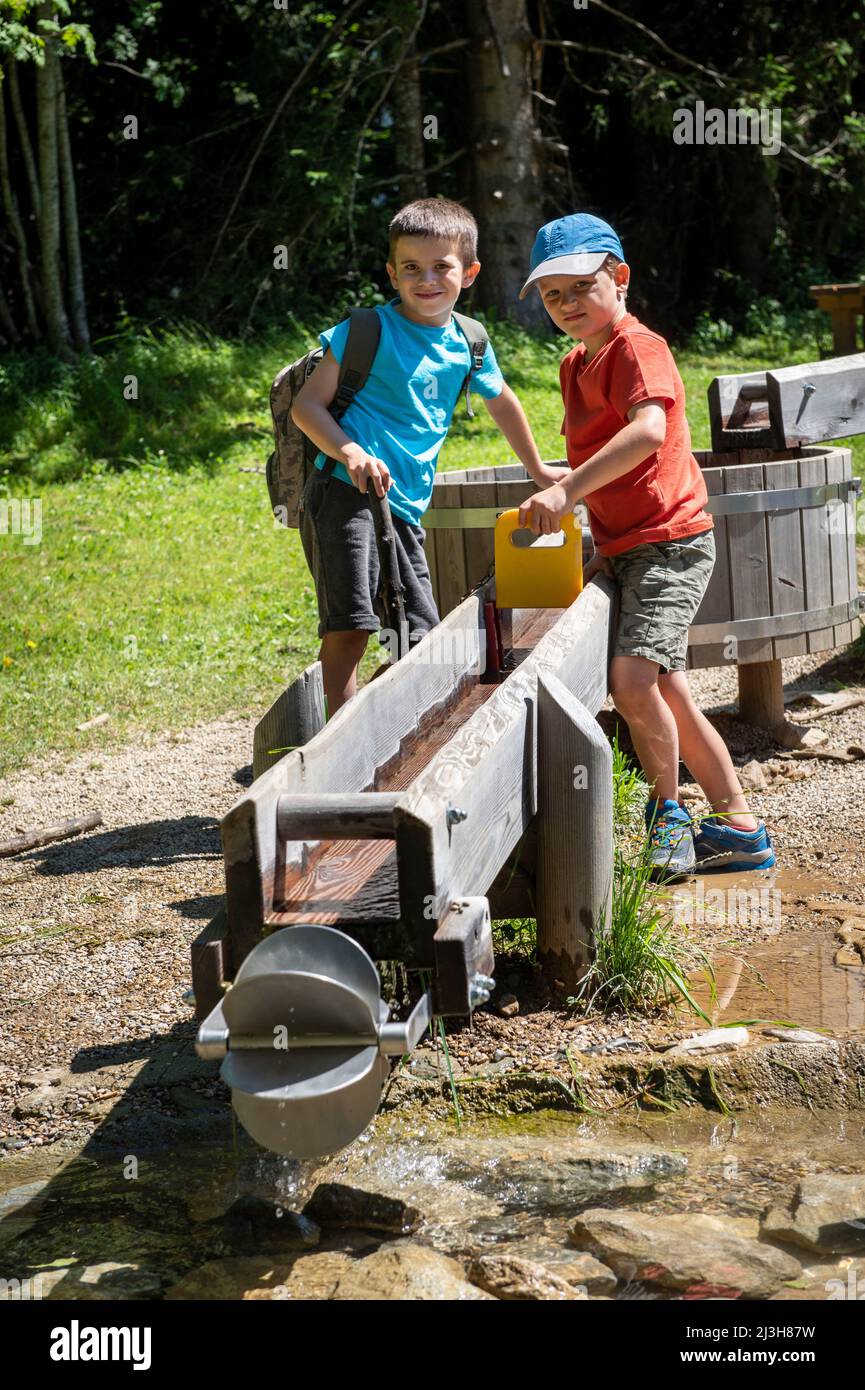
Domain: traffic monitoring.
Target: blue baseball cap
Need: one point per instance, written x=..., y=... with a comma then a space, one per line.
x=575, y=245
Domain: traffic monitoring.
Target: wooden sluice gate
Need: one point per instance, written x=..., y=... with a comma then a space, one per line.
x=440, y=797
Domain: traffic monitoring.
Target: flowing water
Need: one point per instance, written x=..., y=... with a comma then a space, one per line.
x=108, y=1225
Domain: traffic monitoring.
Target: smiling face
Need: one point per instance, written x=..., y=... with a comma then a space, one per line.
x=586, y=306
x=428, y=275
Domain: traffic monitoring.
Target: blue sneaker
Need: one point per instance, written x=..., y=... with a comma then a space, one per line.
x=671, y=840
x=722, y=848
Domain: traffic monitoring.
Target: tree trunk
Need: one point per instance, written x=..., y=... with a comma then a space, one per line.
x=503, y=169
x=408, y=125
x=77, y=301
x=24, y=137
x=7, y=323
x=10, y=207
x=56, y=322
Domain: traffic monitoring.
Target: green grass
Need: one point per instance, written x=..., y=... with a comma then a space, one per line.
x=158, y=598
x=643, y=959
x=162, y=592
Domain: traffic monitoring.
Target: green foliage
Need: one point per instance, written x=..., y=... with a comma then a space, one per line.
x=262, y=127
x=642, y=959
x=23, y=36
x=201, y=401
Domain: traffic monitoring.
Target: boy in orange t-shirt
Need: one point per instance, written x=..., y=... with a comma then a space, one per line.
x=629, y=449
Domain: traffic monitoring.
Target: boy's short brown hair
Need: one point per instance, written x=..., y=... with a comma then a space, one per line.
x=438, y=217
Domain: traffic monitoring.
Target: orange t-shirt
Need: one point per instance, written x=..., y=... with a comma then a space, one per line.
x=662, y=498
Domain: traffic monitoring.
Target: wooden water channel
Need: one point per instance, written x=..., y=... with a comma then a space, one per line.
x=431, y=787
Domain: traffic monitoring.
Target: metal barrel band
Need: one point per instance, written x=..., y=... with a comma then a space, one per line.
x=778, y=625
x=463, y=518
x=782, y=498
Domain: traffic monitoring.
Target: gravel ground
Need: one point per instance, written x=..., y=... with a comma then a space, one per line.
x=95, y=932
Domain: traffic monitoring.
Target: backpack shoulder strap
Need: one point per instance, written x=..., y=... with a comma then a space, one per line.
x=478, y=341
x=364, y=332
x=476, y=336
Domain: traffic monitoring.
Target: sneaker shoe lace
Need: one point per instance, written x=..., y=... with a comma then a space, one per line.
x=666, y=834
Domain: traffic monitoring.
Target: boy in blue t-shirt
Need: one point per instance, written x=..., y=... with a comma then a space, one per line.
x=391, y=435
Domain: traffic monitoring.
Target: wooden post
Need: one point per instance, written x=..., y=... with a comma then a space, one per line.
x=844, y=303
x=292, y=720
x=761, y=693
x=209, y=965
x=575, y=832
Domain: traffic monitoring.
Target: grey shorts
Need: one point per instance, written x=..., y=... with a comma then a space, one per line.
x=661, y=587
x=338, y=538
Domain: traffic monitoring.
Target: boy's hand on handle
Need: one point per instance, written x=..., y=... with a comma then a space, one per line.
x=363, y=467
x=543, y=512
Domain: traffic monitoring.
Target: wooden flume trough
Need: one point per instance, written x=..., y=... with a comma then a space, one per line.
x=444, y=795
x=432, y=802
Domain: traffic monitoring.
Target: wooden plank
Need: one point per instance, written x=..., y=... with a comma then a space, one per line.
x=715, y=606
x=336, y=815
x=818, y=400
x=739, y=413
x=761, y=693
x=477, y=542
x=786, y=579
x=816, y=570
x=293, y=719
x=844, y=303
x=489, y=770
x=844, y=586
x=749, y=560
x=575, y=832
x=209, y=962
x=463, y=947
x=852, y=527
x=362, y=737
x=451, y=575
x=847, y=296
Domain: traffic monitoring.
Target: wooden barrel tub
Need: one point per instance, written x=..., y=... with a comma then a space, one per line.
x=784, y=582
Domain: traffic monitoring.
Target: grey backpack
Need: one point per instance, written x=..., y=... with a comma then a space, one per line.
x=288, y=467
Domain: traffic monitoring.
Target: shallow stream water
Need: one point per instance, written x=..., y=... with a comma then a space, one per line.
x=115, y=1226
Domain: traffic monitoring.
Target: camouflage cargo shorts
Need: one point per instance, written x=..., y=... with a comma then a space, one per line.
x=661, y=587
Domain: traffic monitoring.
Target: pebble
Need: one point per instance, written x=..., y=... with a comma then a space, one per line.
x=715, y=1040
x=798, y=1035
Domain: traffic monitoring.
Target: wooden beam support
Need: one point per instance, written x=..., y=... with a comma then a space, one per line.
x=336, y=815
x=463, y=947
x=815, y=401
x=292, y=720
x=208, y=964
x=575, y=832
x=761, y=693
x=465, y=813
x=844, y=304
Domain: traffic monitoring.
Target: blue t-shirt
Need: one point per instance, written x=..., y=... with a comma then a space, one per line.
x=404, y=410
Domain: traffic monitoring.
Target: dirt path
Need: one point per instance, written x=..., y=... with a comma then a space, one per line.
x=95, y=933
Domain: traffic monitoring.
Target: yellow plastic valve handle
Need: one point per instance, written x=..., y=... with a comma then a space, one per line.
x=537, y=571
